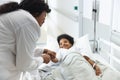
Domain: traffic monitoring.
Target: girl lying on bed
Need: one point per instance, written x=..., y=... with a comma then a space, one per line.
x=66, y=41
x=70, y=65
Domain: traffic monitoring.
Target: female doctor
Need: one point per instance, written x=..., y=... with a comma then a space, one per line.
x=19, y=31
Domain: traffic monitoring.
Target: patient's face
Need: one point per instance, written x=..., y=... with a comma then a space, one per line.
x=64, y=43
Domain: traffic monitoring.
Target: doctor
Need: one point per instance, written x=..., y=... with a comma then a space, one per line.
x=19, y=31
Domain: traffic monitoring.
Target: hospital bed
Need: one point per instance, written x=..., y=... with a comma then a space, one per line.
x=83, y=44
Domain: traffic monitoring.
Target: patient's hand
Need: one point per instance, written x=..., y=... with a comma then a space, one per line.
x=46, y=58
x=55, y=60
x=52, y=55
x=49, y=52
x=97, y=70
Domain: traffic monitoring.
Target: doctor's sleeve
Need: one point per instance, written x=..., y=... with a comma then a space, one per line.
x=25, y=43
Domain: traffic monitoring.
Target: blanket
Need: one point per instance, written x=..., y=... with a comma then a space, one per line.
x=73, y=67
x=107, y=72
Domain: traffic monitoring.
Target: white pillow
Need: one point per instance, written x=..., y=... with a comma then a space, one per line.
x=83, y=45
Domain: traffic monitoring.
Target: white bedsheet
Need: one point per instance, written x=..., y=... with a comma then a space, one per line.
x=108, y=72
x=75, y=67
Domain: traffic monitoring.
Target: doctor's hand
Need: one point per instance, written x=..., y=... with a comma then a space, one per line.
x=52, y=56
x=46, y=58
x=51, y=53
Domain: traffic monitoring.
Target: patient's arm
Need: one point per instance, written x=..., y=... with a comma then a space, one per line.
x=96, y=68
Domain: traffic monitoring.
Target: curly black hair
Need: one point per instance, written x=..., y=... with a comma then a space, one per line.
x=35, y=7
x=66, y=36
x=32, y=6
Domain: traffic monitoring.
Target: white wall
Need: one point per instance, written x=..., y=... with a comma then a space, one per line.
x=64, y=18
x=104, y=22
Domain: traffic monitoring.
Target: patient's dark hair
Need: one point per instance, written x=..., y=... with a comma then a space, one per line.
x=65, y=36
x=35, y=7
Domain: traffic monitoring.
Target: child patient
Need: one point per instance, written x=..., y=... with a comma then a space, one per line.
x=65, y=41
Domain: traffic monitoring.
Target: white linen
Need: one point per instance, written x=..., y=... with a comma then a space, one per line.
x=19, y=32
x=72, y=67
x=107, y=72
x=83, y=45
x=75, y=67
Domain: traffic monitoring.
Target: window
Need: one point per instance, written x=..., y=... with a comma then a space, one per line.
x=105, y=11
x=116, y=16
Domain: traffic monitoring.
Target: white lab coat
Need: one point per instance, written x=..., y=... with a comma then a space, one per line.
x=19, y=32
